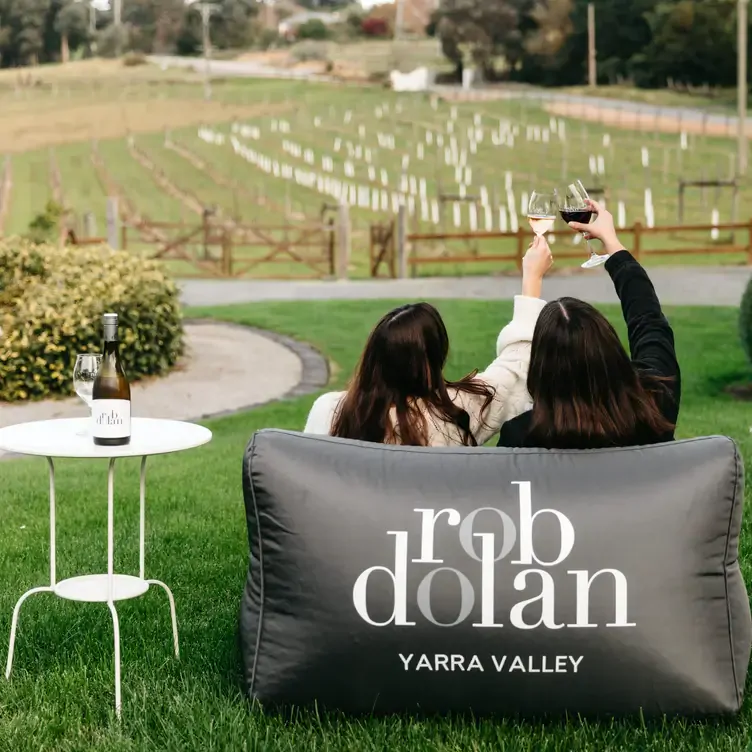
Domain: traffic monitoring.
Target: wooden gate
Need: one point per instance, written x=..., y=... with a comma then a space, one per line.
x=382, y=248
x=290, y=251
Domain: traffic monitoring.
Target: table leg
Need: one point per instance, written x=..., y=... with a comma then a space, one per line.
x=141, y=554
x=33, y=591
x=53, y=551
x=116, y=633
x=110, y=580
x=172, y=614
x=142, y=561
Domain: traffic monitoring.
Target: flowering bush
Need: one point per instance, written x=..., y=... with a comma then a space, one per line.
x=376, y=27
x=51, y=305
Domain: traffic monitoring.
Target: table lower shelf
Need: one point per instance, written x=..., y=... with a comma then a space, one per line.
x=93, y=588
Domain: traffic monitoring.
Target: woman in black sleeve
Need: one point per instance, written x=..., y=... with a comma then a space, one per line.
x=586, y=391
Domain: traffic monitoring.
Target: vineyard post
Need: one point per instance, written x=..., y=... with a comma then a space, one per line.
x=113, y=223
x=402, y=242
x=344, y=241
x=90, y=225
x=227, y=249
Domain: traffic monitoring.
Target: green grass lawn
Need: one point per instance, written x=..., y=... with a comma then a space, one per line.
x=61, y=693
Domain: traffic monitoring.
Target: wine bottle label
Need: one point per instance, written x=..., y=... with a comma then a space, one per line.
x=111, y=419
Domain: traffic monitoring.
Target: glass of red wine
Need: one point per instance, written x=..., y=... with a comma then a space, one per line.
x=574, y=207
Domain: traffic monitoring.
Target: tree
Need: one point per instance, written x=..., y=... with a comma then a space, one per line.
x=480, y=30
x=552, y=25
x=153, y=25
x=22, y=26
x=622, y=32
x=232, y=27
x=72, y=25
x=691, y=42
x=189, y=38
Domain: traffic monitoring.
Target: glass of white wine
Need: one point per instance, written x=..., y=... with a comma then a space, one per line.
x=541, y=211
x=84, y=373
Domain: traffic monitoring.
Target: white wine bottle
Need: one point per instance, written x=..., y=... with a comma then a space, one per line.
x=111, y=394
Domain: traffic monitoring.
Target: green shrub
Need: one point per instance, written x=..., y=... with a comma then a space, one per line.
x=745, y=320
x=51, y=305
x=313, y=29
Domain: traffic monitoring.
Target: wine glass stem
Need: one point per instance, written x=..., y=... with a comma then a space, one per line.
x=587, y=243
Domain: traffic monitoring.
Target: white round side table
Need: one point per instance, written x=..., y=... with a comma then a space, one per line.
x=71, y=438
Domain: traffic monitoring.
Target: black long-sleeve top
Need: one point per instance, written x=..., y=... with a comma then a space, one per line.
x=651, y=344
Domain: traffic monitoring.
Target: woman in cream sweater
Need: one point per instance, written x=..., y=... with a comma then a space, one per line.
x=399, y=395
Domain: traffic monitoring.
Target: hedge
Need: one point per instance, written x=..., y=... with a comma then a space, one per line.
x=51, y=305
x=745, y=320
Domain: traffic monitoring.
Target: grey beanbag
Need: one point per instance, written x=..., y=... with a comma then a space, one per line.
x=390, y=578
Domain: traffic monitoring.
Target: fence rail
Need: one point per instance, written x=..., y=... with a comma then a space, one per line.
x=318, y=249
x=409, y=250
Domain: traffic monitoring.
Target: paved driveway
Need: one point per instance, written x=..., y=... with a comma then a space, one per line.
x=722, y=286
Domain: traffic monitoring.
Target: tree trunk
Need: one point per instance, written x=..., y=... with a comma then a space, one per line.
x=64, y=49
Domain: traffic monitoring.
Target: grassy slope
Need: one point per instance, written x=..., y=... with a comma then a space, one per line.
x=60, y=696
x=79, y=107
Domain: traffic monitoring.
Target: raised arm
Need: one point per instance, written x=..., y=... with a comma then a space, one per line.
x=651, y=339
x=507, y=374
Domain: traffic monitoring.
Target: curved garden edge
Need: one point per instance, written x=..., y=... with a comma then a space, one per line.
x=315, y=371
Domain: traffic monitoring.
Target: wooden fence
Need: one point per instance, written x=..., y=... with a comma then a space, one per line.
x=407, y=251
x=322, y=249
x=207, y=249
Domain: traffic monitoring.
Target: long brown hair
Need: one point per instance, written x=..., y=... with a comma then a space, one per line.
x=586, y=391
x=402, y=369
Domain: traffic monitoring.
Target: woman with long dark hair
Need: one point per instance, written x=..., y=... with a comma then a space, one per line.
x=399, y=395
x=587, y=393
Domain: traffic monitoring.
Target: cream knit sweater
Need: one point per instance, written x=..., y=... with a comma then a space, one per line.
x=507, y=376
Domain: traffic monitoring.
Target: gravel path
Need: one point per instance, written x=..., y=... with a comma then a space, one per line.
x=705, y=285
x=226, y=368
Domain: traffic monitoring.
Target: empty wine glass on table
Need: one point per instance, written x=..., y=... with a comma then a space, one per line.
x=541, y=211
x=84, y=373
x=575, y=208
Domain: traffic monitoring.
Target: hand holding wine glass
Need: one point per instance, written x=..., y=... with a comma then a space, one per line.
x=537, y=262
x=576, y=209
x=541, y=211
x=603, y=228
